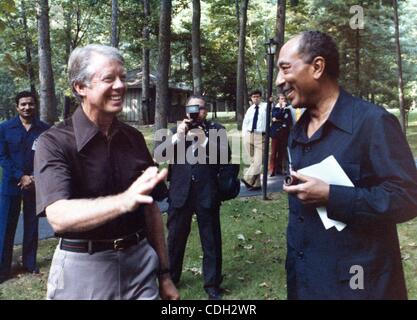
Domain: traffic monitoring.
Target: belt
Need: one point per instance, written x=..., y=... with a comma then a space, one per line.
x=92, y=246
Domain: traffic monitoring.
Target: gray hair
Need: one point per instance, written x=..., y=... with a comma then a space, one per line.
x=80, y=67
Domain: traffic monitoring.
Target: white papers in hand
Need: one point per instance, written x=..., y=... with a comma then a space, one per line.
x=330, y=172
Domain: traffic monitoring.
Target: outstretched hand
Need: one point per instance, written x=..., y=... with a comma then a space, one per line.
x=138, y=192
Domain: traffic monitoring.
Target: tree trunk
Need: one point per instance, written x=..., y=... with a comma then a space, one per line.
x=114, y=18
x=195, y=36
x=28, y=48
x=237, y=17
x=145, y=64
x=46, y=77
x=245, y=92
x=280, y=25
x=357, y=63
x=162, y=90
x=400, y=68
x=240, y=86
x=68, y=38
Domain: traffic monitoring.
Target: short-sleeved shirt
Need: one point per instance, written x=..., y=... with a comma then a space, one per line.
x=75, y=160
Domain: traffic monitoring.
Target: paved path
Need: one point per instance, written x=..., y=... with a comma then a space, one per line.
x=45, y=230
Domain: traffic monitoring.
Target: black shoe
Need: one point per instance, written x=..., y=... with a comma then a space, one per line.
x=272, y=175
x=246, y=184
x=30, y=270
x=214, y=293
x=255, y=188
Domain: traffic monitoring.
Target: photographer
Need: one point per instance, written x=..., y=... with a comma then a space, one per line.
x=193, y=189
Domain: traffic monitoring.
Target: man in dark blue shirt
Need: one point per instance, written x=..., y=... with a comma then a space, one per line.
x=362, y=261
x=18, y=138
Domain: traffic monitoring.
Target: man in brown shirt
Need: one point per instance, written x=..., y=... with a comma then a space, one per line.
x=87, y=184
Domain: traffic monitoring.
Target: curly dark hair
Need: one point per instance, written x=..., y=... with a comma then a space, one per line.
x=316, y=43
x=25, y=94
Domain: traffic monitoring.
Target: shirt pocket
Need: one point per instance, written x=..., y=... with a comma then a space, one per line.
x=133, y=169
x=14, y=142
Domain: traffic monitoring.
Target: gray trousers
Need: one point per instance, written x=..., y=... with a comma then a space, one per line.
x=129, y=274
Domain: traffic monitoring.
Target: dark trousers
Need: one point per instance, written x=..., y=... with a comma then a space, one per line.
x=278, y=158
x=179, y=224
x=273, y=157
x=9, y=216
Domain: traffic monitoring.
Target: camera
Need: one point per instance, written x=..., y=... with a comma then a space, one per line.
x=193, y=111
x=290, y=180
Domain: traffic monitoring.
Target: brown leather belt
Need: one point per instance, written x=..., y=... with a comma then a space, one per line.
x=91, y=246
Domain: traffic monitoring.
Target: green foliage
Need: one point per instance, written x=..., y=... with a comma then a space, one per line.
x=7, y=93
x=78, y=22
x=12, y=43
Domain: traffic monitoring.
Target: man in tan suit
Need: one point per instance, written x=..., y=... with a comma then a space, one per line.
x=253, y=132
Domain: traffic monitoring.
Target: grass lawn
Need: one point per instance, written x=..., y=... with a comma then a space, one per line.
x=253, y=233
x=254, y=247
x=412, y=132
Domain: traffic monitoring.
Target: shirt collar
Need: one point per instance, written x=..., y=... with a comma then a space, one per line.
x=261, y=104
x=16, y=122
x=341, y=117
x=342, y=113
x=85, y=129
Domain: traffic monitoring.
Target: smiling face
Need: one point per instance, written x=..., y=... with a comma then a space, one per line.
x=296, y=79
x=105, y=92
x=26, y=107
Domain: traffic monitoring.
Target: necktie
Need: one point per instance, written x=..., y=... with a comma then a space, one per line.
x=255, y=118
x=297, y=114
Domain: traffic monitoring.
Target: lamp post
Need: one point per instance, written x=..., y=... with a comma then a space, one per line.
x=270, y=51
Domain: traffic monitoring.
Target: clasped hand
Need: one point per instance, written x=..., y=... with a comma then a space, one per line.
x=26, y=182
x=309, y=190
x=183, y=130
